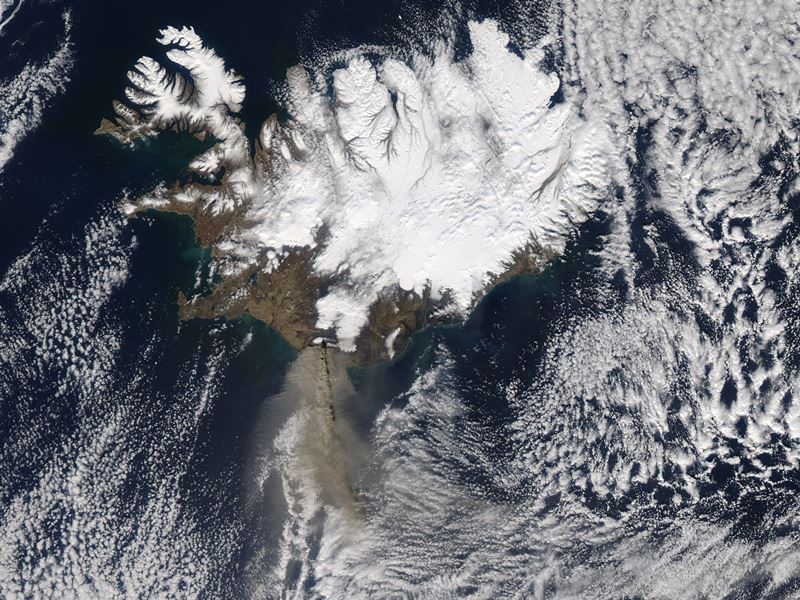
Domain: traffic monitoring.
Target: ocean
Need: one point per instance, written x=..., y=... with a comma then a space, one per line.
x=63, y=186
x=554, y=445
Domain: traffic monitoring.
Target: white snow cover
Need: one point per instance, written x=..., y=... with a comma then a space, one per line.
x=620, y=396
x=211, y=90
x=427, y=171
x=204, y=102
x=23, y=97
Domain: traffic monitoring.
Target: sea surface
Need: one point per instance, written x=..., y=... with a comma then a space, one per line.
x=127, y=436
x=140, y=363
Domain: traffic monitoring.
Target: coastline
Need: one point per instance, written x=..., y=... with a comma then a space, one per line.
x=284, y=300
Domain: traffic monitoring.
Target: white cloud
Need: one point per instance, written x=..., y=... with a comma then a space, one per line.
x=634, y=390
x=94, y=458
x=24, y=97
x=424, y=171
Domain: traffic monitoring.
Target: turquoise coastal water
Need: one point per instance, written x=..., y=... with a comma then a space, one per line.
x=128, y=435
x=161, y=373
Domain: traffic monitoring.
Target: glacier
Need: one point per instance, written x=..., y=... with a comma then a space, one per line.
x=381, y=165
x=645, y=443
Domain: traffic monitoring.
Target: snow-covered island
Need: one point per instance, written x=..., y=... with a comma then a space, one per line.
x=394, y=196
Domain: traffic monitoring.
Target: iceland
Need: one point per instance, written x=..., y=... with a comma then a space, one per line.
x=429, y=299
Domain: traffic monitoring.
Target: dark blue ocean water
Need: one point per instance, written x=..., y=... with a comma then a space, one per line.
x=62, y=177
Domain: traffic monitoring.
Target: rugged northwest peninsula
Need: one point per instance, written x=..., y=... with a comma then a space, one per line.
x=391, y=199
